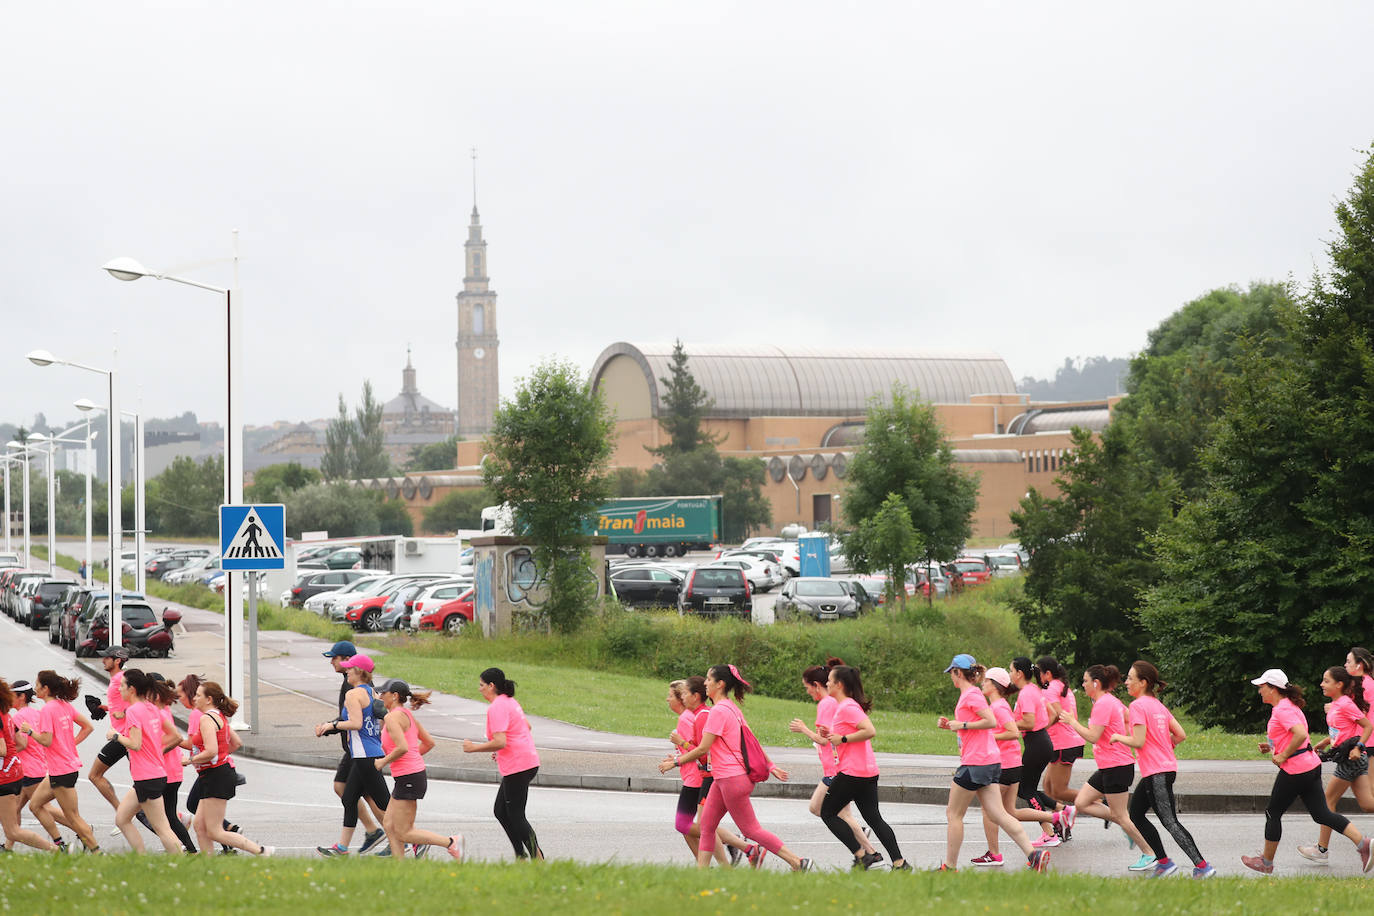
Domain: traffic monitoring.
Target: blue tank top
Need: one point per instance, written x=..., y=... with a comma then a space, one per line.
x=366, y=741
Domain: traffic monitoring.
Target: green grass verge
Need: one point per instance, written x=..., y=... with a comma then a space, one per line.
x=133, y=884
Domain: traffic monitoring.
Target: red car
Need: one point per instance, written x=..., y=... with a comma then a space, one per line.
x=447, y=614
x=365, y=613
x=970, y=571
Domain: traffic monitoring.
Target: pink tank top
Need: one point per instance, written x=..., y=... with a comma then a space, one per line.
x=410, y=761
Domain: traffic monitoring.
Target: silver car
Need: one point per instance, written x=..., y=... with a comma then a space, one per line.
x=815, y=598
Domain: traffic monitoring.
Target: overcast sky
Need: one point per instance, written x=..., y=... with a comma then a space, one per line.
x=1039, y=180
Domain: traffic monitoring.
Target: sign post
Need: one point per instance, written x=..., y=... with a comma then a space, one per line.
x=252, y=538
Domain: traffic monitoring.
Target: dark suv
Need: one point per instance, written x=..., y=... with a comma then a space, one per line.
x=312, y=584
x=45, y=600
x=715, y=591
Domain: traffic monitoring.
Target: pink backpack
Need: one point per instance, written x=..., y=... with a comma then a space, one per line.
x=757, y=768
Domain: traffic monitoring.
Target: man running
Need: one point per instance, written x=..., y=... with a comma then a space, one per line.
x=113, y=659
x=373, y=834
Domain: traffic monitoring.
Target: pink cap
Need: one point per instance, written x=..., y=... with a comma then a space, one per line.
x=361, y=662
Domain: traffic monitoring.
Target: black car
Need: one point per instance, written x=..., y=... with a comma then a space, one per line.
x=45, y=600
x=161, y=566
x=312, y=584
x=646, y=586
x=716, y=591
x=815, y=598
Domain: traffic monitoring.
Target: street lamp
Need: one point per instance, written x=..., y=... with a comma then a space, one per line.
x=61, y=439
x=130, y=269
x=116, y=521
x=21, y=449
x=40, y=438
x=140, y=493
x=9, y=519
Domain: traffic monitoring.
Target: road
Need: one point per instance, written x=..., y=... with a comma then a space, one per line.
x=294, y=808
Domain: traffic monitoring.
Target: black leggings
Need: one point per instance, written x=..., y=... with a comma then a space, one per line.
x=1308, y=787
x=1034, y=759
x=863, y=792
x=1157, y=791
x=510, y=812
x=169, y=804
x=363, y=779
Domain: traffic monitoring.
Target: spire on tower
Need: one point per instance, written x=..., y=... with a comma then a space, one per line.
x=474, y=184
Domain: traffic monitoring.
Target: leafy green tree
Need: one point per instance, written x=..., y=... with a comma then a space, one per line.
x=889, y=543
x=271, y=484
x=682, y=407
x=369, y=441
x=550, y=455
x=906, y=452
x=340, y=509
x=743, y=505
x=186, y=497
x=394, y=518
x=436, y=456
x=627, y=482
x=337, y=461
x=458, y=509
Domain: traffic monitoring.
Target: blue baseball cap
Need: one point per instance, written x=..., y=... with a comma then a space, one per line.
x=341, y=649
x=962, y=661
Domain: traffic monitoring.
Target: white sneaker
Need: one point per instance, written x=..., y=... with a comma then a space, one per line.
x=1315, y=854
x=185, y=819
x=115, y=831
x=268, y=851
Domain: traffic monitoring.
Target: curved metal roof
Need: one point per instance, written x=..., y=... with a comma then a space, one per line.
x=1052, y=419
x=754, y=381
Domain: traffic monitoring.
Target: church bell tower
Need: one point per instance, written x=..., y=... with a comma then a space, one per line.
x=478, y=394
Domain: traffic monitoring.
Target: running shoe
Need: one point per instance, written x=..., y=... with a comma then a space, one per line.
x=1365, y=858
x=804, y=865
x=988, y=859
x=1204, y=871
x=1066, y=819
x=1046, y=841
x=735, y=855
x=372, y=839
x=905, y=866
x=1039, y=860
x=268, y=852
x=335, y=850
x=756, y=854
x=62, y=845
x=455, y=847
x=115, y=831
x=1258, y=864
x=185, y=820
x=1144, y=863
x=943, y=867
x=143, y=819
x=869, y=860
x=1315, y=854
x=1163, y=869
x=384, y=852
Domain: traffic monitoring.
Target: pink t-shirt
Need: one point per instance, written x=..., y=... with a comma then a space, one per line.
x=57, y=716
x=1031, y=698
x=686, y=728
x=1009, y=749
x=1157, y=754
x=1110, y=713
x=411, y=761
x=1368, y=691
x=724, y=721
x=519, y=755
x=977, y=747
x=1062, y=735
x=171, y=758
x=35, y=761
x=115, y=701
x=1342, y=718
x=146, y=762
x=703, y=764
x=856, y=757
x=1282, y=721
x=828, y=753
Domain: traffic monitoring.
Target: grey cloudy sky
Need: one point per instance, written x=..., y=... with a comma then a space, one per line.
x=1037, y=179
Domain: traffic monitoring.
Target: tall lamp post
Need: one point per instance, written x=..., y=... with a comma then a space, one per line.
x=9, y=519
x=130, y=269
x=116, y=526
x=39, y=439
x=61, y=439
x=140, y=493
x=20, y=449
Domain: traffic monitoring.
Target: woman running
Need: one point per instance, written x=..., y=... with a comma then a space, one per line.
x=1347, y=715
x=980, y=767
x=213, y=741
x=31, y=753
x=12, y=780
x=364, y=730
x=1067, y=743
x=55, y=722
x=1115, y=765
x=405, y=742
x=508, y=736
x=816, y=680
x=856, y=780
x=141, y=735
x=1359, y=662
x=1033, y=719
x=172, y=762
x=996, y=685
x=1154, y=734
x=186, y=693
x=723, y=741
x=1300, y=773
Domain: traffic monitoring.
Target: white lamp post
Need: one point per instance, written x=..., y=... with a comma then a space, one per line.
x=62, y=439
x=40, y=439
x=116, y=526
x=20, y=449
x=9, y=519
x=140, y=494
x=130, y=269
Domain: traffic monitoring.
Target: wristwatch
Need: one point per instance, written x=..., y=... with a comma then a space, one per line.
x=844, y=739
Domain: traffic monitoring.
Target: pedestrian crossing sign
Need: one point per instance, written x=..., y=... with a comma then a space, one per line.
x=252, y=538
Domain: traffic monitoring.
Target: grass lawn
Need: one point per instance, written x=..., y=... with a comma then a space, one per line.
x=133, y=884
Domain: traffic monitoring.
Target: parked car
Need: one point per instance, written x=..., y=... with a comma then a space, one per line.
x=646, y=586
x=12, y=584
x=194, y=571
x=160, y=566
x=967, y=570
x=815, y=598
x=365, y=611
x=1020, y=551
x=313, y=583
x=1003, y=563
x=444, y=607
x=866, y=600
x=143, y=634
x=345, y=558
x=320, y=602
x=66, y=617
x=763, y=575
x=396, y=609
x=715, y=591
x=44, y=598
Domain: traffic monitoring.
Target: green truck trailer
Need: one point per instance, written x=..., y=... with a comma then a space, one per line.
x=657, y=526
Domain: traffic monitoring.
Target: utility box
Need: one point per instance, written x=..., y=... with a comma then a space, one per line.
x=815, y=555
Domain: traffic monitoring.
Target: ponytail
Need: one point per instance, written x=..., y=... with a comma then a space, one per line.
x=6, y=697
x=1293, y=693
x=497, y=678
x=848, y=678
x=58, y=686
x=1148, y=673
x=733, y=682
x=223, y=703
x=1350, y=687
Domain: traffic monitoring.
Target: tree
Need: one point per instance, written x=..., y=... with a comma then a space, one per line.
x=337, y=461
x=682, y=406
x=185, y=498
x=340, y=509
x=271, y=484
x=889, y=543
x=458, y=509
x=369, y=440
x=905, y=452
x=550, y=453
x=394, y=518
x=436, y=456
x=743, y=505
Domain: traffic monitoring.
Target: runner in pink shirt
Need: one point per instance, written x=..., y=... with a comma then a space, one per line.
x=1154, y=734
x=1359, y=662
x=980, y=767
x=996, y=685
x=816, y=680
x=1115, y=765
x=172, y=764
x=1347, y=716
x=1033, y=718
x=696, y=779
x=56, y=720
x=1299, y=776
x=508, y=735
x=1067, y=743
x=405, y=741
x=114, y=751
x=12, y=779
x=34, y=758
x=143, y=738
x=723, y=741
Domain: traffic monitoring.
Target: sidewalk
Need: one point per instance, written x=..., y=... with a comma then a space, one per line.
x=299, y=689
